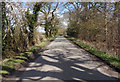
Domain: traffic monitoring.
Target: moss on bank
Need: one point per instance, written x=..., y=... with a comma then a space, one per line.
x=11, y=64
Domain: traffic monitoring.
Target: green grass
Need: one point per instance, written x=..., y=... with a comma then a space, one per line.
x=4, y=72
x=107, y=57
x=10, y=64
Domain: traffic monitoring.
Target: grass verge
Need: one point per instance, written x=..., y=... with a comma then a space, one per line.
x=113, y=60
x=12, y=64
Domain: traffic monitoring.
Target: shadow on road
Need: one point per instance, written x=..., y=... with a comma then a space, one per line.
x=70, y=69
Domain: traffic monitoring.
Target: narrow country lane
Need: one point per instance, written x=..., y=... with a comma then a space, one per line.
x=64, y=61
